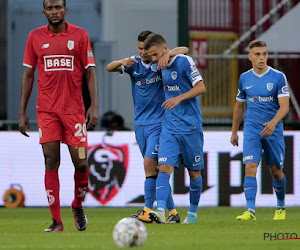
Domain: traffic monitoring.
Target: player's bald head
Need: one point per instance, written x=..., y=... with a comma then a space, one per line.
x=63, y=1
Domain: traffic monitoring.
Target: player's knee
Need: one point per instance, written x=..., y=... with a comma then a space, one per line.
x=52, y=162
x=276, y=172
x=167, y=169
x=251, y=168
x=194, y=174
x=82, y=166
x=150, y=167
x=151, y=172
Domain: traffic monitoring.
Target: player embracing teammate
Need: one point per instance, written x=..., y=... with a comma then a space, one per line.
x=181, y=137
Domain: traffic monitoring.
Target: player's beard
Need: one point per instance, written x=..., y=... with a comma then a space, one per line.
x=57, y=23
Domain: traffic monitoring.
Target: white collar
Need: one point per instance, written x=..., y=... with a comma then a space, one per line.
x=261, y=75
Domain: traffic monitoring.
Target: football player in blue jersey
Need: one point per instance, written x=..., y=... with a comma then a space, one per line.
x=181, y=138
x=263, y=93
x=148, y=96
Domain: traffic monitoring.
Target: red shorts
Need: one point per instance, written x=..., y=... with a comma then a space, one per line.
x=70, y=129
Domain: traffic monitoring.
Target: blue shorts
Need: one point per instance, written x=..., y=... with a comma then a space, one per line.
x=188, y=146
x=272, y=146
x=147, y=137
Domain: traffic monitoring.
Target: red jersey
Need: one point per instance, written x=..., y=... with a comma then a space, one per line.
x=61, y=60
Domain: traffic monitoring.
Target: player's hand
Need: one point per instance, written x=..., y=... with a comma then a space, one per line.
x=92, y=117
x=23, y=123
x=163, y=61
x=234, y=140
x=128, y=62
x=269, y=128
x=171, y=103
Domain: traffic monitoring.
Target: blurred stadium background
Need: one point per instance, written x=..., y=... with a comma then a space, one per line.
x=217, y=33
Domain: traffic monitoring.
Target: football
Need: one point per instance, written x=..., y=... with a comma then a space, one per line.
x=130, y=232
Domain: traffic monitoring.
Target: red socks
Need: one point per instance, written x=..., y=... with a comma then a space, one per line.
x=81, y=186
x=52, y=191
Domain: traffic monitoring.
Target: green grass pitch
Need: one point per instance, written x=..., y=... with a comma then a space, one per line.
x=217, y=228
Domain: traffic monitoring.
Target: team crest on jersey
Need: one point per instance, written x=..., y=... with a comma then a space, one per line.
x=197, y=158
x=71, y=44
x=154, y=67
x=269, y=86
x=108, y=168
x=281, y=157
x=174, y=75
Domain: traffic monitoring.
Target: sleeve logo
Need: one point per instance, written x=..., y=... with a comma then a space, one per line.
x=285, y=90
x=195, y=74
x=193, y=67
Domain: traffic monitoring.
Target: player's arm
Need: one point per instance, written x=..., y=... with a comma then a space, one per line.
x=281, y=113
x=116, y=66
x=92, y=112
x=198, y=89
x=179, y=50
x=27, y=84
x=238, y=114
x=164, y=60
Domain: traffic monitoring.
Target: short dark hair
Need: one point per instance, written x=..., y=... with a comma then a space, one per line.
x=256, y=43
x=112, y=121
x=143, y=35
x=65, y=4
x=153, y=40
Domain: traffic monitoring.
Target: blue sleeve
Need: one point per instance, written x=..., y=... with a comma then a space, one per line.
x=241, y=95
x=192, y=71
x=129, y=70
x=283, y=89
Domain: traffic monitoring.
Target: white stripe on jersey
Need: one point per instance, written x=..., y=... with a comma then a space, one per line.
x=240, y=100
x=27, y=65
x=277, y=71
x=90, y=65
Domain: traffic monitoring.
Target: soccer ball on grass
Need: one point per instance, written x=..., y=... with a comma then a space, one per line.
x=130, y=232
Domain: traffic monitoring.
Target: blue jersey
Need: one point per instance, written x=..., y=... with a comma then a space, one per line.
x=179, y=77
x=147, y=92
x=261, y=92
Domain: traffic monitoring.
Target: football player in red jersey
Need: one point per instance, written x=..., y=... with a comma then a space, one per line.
x=62, y=53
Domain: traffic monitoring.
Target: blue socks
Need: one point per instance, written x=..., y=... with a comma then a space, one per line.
x=150, y=191
x=162, y=190
x=170, y=203
x=280, y=189
x=250, y=188
x=150, y=184
x=195, y=192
